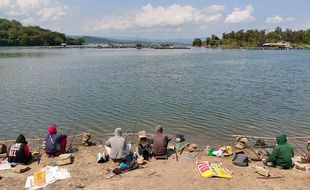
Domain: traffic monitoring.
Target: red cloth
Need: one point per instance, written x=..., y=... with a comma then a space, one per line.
x=308, y=158
x=63, y=144
x=26, y=151
x=52, y=129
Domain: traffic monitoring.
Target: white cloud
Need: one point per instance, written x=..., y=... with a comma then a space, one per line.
x=27, y=4
x=275, y=19
x=303, y=26
x=213, y=18
x=28, y=20
x=110, y=23
x=278, y=19
x=15, y=13
x=174, y=15
x=4, y=3
x=241, y=16
x=38, y=10
x=52, y=13
x=215, y=8
x=290, y=19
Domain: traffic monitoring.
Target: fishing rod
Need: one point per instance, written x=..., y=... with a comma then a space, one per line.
x=133, y=133
x=69, y=132
x=39, y=156
x=298, y=147
x=70, y=147
x=127, y=132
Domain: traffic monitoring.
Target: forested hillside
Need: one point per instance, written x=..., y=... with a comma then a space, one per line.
x=13, y=33
x=255, y=38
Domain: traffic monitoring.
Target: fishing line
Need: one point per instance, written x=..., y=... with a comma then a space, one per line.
x=298, y=147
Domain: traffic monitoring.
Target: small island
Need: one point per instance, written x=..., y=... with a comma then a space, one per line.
x=258, y=39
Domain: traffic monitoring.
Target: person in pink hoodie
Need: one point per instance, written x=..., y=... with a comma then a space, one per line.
x=55, y=143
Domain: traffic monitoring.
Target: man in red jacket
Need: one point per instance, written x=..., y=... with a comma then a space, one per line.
x=19, y=152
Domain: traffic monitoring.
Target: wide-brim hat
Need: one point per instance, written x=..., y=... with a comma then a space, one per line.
x=142, y=134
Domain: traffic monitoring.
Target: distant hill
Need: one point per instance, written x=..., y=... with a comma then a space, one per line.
x=123, y=40
x=96, y=40
x=13, y=33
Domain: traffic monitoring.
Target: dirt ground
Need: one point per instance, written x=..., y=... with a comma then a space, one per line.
x=158, y=174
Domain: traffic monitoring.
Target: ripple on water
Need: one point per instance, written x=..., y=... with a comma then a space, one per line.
x=204, y=94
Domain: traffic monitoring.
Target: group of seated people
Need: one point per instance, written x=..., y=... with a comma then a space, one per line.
x=55, y=144
x=117, y=147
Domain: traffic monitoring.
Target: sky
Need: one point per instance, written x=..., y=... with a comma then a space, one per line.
x=157, y=19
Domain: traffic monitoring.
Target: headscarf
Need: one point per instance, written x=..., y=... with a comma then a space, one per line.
x=52, y=129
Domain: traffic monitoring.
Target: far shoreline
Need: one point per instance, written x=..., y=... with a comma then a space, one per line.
x=132, y=46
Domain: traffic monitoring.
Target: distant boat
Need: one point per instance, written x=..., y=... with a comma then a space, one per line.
x=139, y=46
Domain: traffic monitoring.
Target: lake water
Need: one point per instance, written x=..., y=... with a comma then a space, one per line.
x=203, y=93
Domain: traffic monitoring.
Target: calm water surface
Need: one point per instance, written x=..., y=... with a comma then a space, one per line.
x=205, y=94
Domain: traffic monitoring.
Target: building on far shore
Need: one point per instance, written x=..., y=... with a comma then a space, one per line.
x=278, y=45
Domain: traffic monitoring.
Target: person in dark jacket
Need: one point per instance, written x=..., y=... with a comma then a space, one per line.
x=55, y=143
x=159, y=142
x=144, y=147
x=19, y=152
x=282, y=154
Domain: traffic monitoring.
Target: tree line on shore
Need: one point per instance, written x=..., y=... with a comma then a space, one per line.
x=255, y=38
x=13, y=33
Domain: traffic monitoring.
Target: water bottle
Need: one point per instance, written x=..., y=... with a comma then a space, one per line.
x=134, y=156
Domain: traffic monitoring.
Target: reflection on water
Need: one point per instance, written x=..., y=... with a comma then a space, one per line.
x=16, y=55
x=205, y=94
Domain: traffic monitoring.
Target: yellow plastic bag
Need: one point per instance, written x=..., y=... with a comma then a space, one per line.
x=39, y=178
x=229, y=150
x=206, y=169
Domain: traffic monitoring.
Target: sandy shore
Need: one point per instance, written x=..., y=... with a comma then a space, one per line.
x=158, y=174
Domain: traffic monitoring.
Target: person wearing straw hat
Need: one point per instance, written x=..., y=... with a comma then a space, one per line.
x=144, y=148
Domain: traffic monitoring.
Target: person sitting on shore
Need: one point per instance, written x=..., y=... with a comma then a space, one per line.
x=159, y=142
x=144, y=148
x=282, y=154
x=307, y=156
x=55, y=143
x=116, y=146
x=19, y=152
